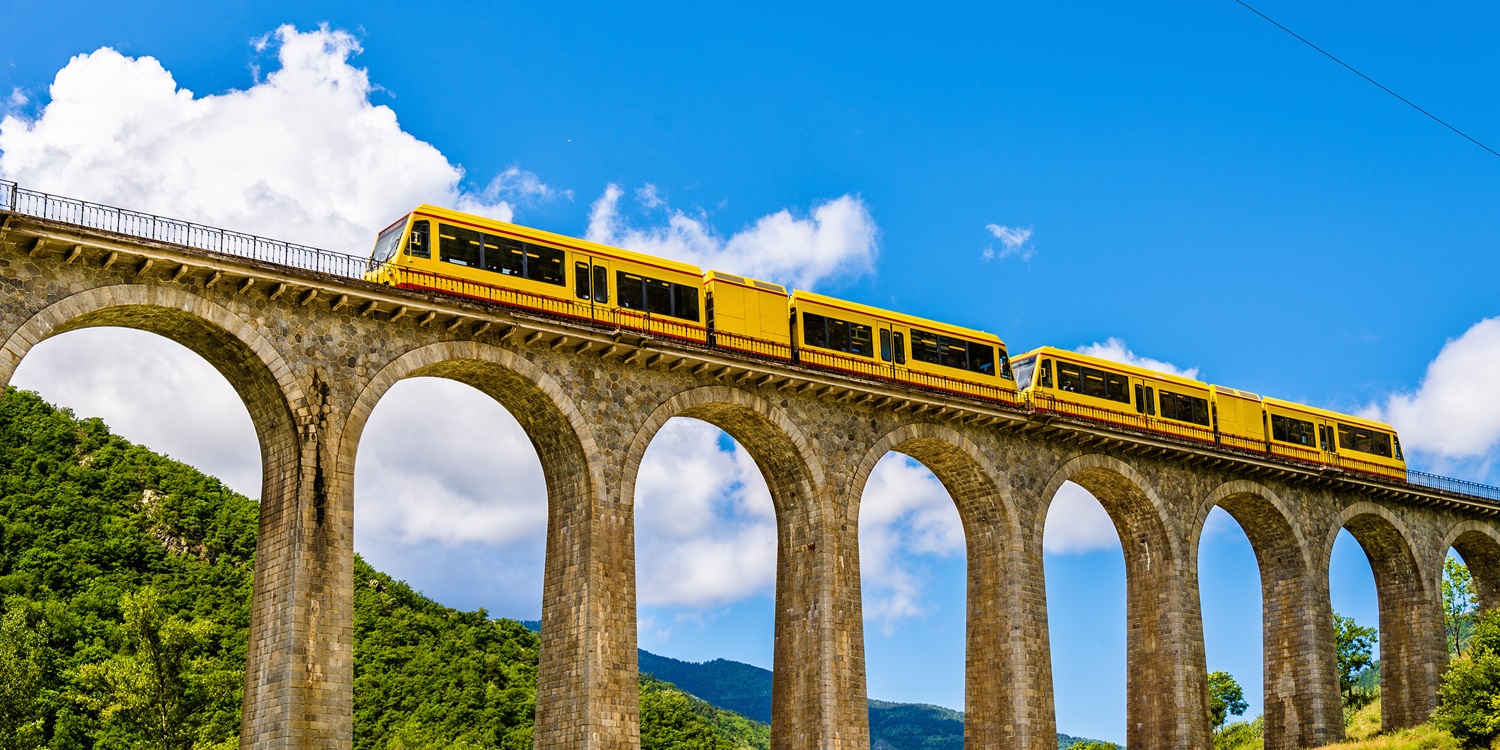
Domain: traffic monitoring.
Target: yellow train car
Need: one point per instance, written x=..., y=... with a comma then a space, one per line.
x=456, y=253
x=847, y=336
x=748, y=315
x=1062, y=382
x=1306, y=433
x=1239, y=417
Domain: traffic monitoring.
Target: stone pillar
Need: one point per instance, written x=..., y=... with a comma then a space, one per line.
x=1165, y=690
x=1008, y=680
x=1413, y=651
x=818, y=690
x=299, y=673
x=1302, y=703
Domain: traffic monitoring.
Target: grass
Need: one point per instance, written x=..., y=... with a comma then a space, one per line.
x=1361, y=732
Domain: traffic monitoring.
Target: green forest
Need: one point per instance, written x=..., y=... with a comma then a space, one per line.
x=126, y=577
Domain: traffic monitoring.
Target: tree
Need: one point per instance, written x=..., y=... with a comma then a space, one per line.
x=1093, y=745
x=1469, y=697
x=1225, y=698
x=1459, y=600
x=22, y=663
x=1356, y=648
x=161, y=683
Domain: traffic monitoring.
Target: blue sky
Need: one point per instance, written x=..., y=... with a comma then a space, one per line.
x=1181, y=177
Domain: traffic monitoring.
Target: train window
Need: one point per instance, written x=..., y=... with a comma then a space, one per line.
x=544, y=264
x=885, y=344
x=416, y=247
x=1365, y=440
x=658, y=296
x=981, y=358
x=1184, y=408
x=1150, y=401
x=838, y=335
x=1289, y=430
x=1024, y=368
x=601, y=284
x=1091, y=382
x=504, y=255
x=581, y=279
x=654, y=295
x=1397, y=442
x=459, y=246
x=924, y=347
x=1005, y=366
x=900, y=348
x=1046, y=378
x=1140, y=400
x=387, y=243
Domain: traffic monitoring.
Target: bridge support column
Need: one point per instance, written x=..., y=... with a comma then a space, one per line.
x=1008, y=687
x=1165, y=690
x=818, y=691
x=299, y=674
x=1302, y=703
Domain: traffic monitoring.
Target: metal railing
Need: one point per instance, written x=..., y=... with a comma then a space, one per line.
x=176, y=232
x=1449, y=484
x=16, y=199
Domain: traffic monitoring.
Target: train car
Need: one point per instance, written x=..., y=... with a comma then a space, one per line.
x=847, y=336
x=455, y=253
x=1058, y=381
x=747, y=315
x=1306, y=433
x=1238, y=418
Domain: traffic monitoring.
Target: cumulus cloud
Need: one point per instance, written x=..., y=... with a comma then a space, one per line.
x=705, y=525
x=1013, y=241
x=1455, y=413
x=152, y=391
x=904, y=516
x=837, y=239
x=1115, y=350
x=302, y=155
x=1077, y=523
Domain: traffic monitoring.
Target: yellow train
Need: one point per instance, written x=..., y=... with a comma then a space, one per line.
x=1057, y=381
x=437, y=249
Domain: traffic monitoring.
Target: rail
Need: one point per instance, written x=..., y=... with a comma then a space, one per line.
x=19, y=200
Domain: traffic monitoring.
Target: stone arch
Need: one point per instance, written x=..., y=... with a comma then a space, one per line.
x=1413, y=648
x=1166, y=696
x=1478, y=543
x=1302, y=707
x=777, y=444
x=293, y=662
x=582, y=686
x=817, y=590
x=997, y=707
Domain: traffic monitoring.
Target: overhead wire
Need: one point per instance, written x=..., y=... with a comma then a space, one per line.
x=1377, y=84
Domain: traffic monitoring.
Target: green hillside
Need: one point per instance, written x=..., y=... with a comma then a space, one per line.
x=126, y=578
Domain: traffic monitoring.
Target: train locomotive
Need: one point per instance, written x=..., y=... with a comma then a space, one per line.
x=450, y=252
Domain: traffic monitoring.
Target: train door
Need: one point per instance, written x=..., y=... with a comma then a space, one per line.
x=892, y=350
x=1328, y=440
x=591, y=287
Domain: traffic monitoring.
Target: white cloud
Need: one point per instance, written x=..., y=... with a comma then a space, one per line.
x=302, y=155
x=1455, y=413
x=152, y=391
x=440, y=461
x=837, y=240
x=705, y=524
x=1115, y=350
x=904, y=515
x=1013, y=241
x=1077, y=523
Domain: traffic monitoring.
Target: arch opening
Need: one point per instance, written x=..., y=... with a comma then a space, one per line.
x=930, y=502
x=1165, y=696
x=727, y=454
x=1410, y=643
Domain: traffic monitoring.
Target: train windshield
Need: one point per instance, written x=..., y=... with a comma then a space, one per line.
x=386, y=243
x=1024, y=368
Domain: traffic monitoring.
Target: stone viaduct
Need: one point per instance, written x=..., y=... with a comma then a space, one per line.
x=311, y=352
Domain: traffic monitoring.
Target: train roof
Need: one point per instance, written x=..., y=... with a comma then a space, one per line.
x=550, y=238
x=735, y=278
x=896, y=317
